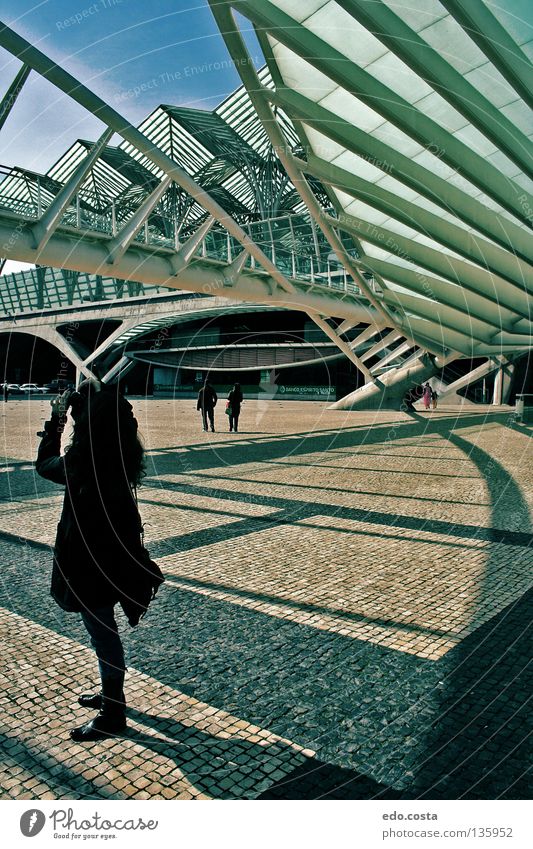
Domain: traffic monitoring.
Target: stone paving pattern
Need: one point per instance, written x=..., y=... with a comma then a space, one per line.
x=347, y=611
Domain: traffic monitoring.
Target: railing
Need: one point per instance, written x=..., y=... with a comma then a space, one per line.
x=292, y=242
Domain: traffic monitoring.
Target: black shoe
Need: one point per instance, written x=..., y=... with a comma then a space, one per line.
x=90, y=700
x=99, y=728
x=213, y=429
x=93, y=700
x=111, y=721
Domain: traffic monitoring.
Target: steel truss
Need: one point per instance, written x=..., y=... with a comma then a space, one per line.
x=448, y=275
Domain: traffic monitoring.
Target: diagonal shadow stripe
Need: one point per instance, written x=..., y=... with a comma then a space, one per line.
x=297, y=510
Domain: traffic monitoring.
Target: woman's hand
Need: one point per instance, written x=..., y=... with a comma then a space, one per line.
x=60, y=404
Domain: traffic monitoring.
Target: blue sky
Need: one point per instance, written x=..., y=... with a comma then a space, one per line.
x=134, y=54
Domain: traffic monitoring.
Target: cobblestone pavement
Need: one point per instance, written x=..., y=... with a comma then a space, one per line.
x=346, y=612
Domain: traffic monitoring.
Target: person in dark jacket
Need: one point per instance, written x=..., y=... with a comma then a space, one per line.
x=207, y=399
x=235, y=401
x=98, y=549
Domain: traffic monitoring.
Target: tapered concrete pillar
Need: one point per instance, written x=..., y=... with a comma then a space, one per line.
x=388, y=391
x=502, y=384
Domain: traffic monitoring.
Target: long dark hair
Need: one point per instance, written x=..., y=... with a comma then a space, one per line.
x=105, y=444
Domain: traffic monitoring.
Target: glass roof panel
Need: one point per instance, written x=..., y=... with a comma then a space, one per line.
x=417, y=15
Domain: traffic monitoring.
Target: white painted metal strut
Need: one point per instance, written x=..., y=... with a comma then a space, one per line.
x=244, y=65
x=21, y=48
x=8, y=101
x=46, y=225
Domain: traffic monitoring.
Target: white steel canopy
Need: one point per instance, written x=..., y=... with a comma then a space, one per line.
x=417, y=117
x=402, y=132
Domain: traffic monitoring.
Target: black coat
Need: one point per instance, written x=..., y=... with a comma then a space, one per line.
x=235, y=399
x=98, y=546
x=207, y=398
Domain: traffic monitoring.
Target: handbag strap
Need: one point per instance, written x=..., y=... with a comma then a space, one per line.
x=141, y=532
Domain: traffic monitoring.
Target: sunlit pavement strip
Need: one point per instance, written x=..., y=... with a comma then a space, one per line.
x=346, y=584
x=188, y=750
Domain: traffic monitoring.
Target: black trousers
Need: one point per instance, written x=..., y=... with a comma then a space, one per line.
x=105, y=640
x=234, y=420
x=208, y=413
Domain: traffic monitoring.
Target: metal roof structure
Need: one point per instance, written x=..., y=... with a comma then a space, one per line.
x=419, y=121
x=403, y=135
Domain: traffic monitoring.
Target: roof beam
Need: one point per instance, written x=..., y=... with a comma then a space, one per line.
x=64, y=81
x=341, y=344
x=509, y=293
x=244, y=64
x=506, y=233
x=415, y=176
x=391, y=356
x=364, y=336
x=445, y=337
x=496, y=43
x=417, y=54
x=387, y=340
x=487, y=309
x=445, y=316
x=385, y=102
x=120, y=243
x=8, y=100
x=43, y=229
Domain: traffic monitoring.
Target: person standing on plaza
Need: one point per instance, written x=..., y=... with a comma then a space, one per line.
x=5, y=392
x=434, y=399
x=99, y=559
x=207, y=400
x=426, y=397
x=235, y=401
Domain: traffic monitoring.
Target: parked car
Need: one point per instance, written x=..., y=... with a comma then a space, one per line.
x=14, y=388
x=56, y=387
x=33, y=389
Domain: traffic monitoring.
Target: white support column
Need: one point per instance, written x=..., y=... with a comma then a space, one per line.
x=181, y=258
x=126, y=325
x=341, y=344
x=391, y=337
x=51, y=335
x=502, y=382
x=363, y=337
x=118, y=370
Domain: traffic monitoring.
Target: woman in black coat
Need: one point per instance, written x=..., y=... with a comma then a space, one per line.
x=98, y=550
x=235, y=401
